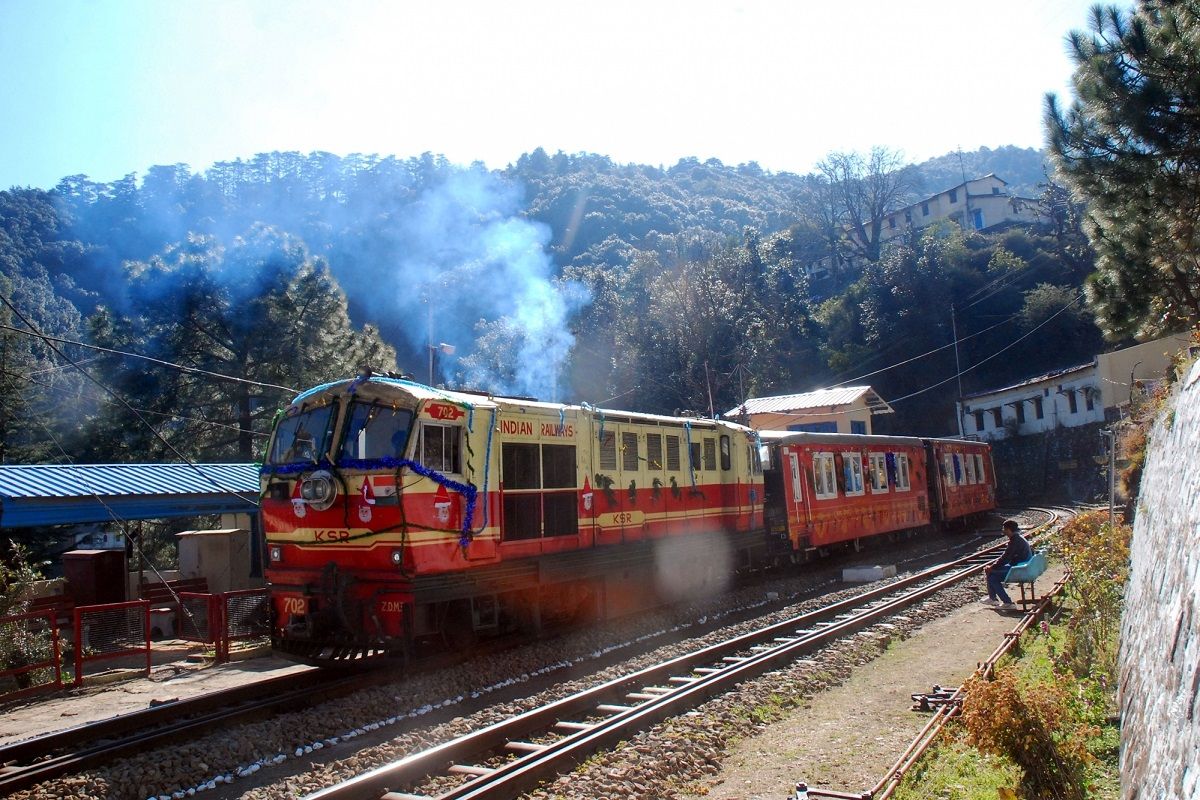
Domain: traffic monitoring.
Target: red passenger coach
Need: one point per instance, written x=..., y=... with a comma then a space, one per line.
x=965, y=485
x=395, y=512
x=836, y=488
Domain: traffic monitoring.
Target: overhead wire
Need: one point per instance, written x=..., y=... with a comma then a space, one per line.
x=159, y=361
x=113, y=394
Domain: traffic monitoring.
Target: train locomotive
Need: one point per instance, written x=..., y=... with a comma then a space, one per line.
x=395, y=513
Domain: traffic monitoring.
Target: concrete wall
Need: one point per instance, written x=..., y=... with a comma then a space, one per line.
x=1146, y=360
x=1160, y=631
x=1055, y=465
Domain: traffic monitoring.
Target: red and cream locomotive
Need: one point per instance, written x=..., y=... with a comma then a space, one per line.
x=394, y=512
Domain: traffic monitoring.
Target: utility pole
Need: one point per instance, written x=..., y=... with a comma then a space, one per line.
x=1111, y=435
x=708, y=385
x=958, y=374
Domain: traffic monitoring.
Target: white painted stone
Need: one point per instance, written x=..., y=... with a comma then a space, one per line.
x=868, y=574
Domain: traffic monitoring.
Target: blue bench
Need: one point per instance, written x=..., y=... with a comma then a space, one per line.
x=1024, y=574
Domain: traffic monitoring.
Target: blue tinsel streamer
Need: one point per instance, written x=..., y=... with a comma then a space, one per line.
x=392, y=464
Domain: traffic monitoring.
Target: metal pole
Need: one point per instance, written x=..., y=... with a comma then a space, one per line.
x=1112, y=477
x=958, y=373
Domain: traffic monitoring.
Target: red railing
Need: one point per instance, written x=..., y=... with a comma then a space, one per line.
x=111, y=631
x=244, y=615
x=31, y=646
x=31, y=653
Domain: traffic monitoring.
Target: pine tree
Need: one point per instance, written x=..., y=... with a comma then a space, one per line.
x=1130, y=145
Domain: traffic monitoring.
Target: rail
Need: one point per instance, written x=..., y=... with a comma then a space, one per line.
x=636, y=701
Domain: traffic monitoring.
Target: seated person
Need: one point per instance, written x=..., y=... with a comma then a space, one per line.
x=1017, y=552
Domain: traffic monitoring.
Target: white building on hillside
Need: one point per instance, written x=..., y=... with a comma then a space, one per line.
x=1093, y=392
x=977, y=204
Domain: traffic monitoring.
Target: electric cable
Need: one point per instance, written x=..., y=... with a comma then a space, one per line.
x=120, y=400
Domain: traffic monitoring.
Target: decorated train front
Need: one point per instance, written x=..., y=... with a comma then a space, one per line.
x=393, y=511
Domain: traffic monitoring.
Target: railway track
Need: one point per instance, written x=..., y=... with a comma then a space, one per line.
x=32, y=761
x=43, y=758
x=513, y=756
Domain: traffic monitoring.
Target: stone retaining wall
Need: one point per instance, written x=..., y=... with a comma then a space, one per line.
x=1160, y=629
x=1056, y=465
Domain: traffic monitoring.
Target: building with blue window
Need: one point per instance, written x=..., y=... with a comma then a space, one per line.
x=846, y=409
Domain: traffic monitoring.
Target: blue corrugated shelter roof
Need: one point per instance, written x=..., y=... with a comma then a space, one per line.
x=49, y=494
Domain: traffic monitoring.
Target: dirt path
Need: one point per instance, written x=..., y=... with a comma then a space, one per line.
x=848, y=736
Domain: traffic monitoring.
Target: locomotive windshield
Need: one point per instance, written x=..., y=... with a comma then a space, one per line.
x=302, y=437
x=376, y=431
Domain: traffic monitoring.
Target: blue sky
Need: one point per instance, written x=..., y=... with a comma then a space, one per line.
x=105, y=88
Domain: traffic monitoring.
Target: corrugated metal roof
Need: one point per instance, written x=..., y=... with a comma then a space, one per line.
x=1058, y=373
x=111, y=480
x=821, y=398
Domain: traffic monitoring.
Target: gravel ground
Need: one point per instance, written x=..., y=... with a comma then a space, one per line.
x=298, y=753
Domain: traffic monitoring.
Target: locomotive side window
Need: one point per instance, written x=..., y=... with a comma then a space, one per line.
x=879, y=478
x=629, y=451
x=539, y=490
x=654, y=450
x=902, y=476
x=852, y=467
x=979, y=467
x=726, y=458
x=440, y=447
x=824, y=480
x=608, y=451
x=302, y=437
x=520, y=466
x=710, y=455
x=376, y=431
x=694, y=456
x=970, y=464
x=673, y=453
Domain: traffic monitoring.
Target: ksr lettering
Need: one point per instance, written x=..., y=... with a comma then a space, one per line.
x=335, y=535
x=623, y=518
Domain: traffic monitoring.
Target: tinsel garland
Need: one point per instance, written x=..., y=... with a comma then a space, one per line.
x=392, y=465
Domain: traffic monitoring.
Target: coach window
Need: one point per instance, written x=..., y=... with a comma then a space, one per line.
x=694, y=456
x=978, y=466
x=902, y=477
x=726, y=459
x=673, y=453
x=824, y=480
x=608, y=451
x=654, y=451
x=441, y=448
x=629, y=451
x=710, y=455
x=970, y=464
x=852, y=469
x=879, y=480
x=948, y=469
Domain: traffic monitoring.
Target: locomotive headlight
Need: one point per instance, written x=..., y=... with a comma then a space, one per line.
x=276, y=553
x=318, y=490
x=397, y=557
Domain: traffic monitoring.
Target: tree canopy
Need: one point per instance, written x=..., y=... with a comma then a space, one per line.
x=1129, y=144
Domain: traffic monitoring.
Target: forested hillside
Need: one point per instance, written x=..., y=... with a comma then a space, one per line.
x=565, y=276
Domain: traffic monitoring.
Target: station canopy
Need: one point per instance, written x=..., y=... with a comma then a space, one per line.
x=52, y=494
